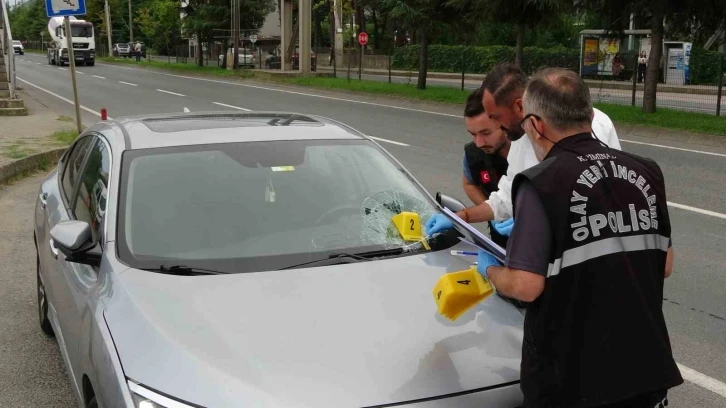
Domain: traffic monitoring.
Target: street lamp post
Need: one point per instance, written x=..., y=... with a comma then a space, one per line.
x=108, y=28
x=131, y=25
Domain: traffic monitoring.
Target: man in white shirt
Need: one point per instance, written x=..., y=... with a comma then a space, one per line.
x=503, y=90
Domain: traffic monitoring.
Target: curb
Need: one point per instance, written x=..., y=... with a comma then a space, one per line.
x=30, y=163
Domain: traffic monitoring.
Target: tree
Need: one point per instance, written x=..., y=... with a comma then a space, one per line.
x=706, y=14
x=202, y=17
x=523, y=14
x=424, y=17
x=159, y=21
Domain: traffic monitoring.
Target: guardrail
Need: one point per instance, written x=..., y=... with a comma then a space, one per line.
x=8, y=50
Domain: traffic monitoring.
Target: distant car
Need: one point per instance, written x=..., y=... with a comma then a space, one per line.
x=249, y=259
x=18, y=47
x=313, y=60
x=121, y=50
x=245, y=58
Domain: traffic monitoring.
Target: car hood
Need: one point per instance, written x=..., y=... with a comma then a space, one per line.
x=348, y=335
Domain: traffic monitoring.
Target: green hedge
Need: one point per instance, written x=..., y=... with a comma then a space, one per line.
x=448, y=58
x=705, y=66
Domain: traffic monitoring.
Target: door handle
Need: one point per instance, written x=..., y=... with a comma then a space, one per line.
x=43, y=197
x=53, y=249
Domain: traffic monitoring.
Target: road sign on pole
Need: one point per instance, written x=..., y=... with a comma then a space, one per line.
x=362, y=38
x=253, y=38
x=62, y=8
x=66, y=8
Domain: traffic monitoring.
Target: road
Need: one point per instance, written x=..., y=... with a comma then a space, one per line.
x=428, y=140
x=679, y=101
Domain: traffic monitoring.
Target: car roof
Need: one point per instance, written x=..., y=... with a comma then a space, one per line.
x=166, y=130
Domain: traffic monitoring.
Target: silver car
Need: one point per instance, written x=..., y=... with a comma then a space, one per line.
x=248, y=260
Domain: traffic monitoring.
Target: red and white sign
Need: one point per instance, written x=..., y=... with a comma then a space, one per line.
x=363, y=38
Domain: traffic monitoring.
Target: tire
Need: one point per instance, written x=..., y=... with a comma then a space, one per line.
x=92, y=403
x=42, y=301
x=90, y=64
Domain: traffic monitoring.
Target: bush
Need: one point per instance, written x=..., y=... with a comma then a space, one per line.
x=479, y=60
x=705, y=66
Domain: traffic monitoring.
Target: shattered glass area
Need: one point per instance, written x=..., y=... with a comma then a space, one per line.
x=377, y=211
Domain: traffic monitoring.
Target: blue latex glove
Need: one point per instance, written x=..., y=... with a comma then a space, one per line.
x=483, y=261
x=437, y=223
x=504, y=227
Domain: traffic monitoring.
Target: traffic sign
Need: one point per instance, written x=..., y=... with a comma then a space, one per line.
x=253, y=38
x=363, y=38
x=61, y=8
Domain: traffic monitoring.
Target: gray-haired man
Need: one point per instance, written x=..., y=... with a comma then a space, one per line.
x=590, y=248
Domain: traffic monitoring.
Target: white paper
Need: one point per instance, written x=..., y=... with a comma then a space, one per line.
x=481, y=241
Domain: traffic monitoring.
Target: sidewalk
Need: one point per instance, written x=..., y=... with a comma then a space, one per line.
x=476, y=79
x=28, y=141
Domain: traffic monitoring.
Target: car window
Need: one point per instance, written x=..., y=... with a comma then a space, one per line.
x=73, y=166
x=93, y=190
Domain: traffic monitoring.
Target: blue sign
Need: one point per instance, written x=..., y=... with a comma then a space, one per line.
x=61, y=8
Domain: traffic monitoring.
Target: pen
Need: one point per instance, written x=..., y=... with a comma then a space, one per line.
x=466, y=253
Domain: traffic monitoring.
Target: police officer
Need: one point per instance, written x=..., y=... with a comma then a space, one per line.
x=590, y=248
x=502, y=98
x=485, y=157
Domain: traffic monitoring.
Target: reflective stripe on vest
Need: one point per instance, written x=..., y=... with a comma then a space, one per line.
x=607, y=246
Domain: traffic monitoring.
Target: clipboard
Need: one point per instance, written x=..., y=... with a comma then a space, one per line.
x=473, y=237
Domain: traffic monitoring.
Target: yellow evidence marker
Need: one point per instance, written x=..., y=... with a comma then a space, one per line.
x=408, y=225
x=457, y=292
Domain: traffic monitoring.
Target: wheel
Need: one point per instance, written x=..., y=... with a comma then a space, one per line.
x=42, y=301
x=90, y=64
x=92, y=403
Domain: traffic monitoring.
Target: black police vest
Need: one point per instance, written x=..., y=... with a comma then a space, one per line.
x=597, y=333
x=486, y=170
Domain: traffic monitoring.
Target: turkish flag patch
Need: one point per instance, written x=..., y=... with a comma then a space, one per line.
x=485, y=177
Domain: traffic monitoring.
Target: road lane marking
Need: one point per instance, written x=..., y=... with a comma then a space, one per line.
x=380, y=139
x=697, y=210
x=79, y=72
x=232, y=106
x=702, y=380
x=62, y=69
x=291, y=92
x=39, y=63
x=127, y=83
x=674, y=148
x=99, y=77
x=170, y=92
x=62, y=98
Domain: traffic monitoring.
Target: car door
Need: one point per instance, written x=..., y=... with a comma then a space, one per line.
x=56, y=195
x=79, y=281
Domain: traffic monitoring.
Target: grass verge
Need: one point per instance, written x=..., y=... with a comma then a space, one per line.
x=633, y=115
x=209, y=70
x=65, y=136
x=17, y=151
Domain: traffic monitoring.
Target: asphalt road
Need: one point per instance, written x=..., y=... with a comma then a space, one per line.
x=428, y=140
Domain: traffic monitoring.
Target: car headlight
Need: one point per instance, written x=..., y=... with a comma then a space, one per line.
x=145, y=398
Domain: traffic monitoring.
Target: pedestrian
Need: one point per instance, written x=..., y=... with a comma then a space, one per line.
x=590, y=248
x=502, y=98
x=485, y=157
x=618, y=66
x=642, y=65
x=137, y=51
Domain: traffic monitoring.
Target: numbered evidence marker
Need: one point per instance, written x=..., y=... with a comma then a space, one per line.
x=408, y=225
x=457, y=292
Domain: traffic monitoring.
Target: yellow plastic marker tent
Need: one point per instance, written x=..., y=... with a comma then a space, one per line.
x=408, y=225
x=457, y=292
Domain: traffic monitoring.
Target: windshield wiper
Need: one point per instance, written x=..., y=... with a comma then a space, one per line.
x=184, y=270
x=344, y=257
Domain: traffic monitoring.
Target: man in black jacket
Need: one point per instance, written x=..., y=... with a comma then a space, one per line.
x=590, y=249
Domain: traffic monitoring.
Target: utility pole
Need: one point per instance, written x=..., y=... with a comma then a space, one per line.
x=338, y=12
x=235, y=34
x=131, y=25
x=630, y=37
x=108, y=28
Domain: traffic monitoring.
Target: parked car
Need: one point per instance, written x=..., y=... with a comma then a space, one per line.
x=296, y=60
x=245, y=58
x=247, y=259
x=18, y=47
x=121, y=50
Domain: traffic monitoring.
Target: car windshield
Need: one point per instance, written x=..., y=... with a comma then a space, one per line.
x=254, y=206
x=15, y=42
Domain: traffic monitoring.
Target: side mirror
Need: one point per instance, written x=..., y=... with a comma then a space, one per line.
x=73, y=239
x=449, y=202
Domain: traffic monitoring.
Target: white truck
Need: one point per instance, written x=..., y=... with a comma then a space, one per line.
x=84, y=44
